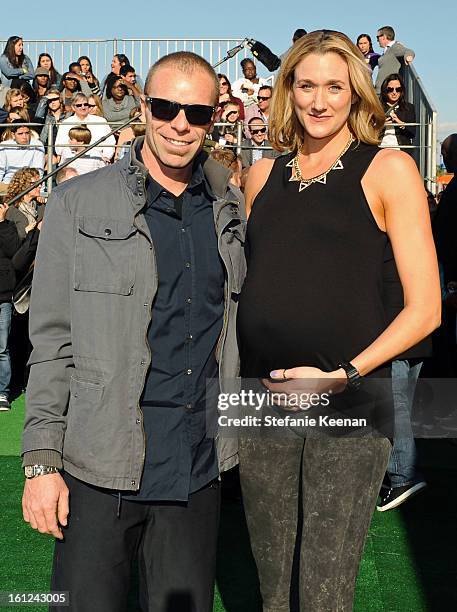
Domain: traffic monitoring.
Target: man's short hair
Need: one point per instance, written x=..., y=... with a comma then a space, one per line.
x=64, y=174
x=245, y=61
x=186, y=62
x=256, y=120
x=15, y=127
x=269, y=87
x=126, y=69
x=79, y=95
x=81, y=133
x=388, y=32
x=298, y=34
x=73, y=65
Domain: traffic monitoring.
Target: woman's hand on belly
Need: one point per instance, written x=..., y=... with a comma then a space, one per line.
x=298, y=385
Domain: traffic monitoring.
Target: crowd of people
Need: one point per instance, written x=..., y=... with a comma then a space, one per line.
x=274, y=143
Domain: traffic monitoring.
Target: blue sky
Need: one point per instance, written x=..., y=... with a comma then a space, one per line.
x=430, y=29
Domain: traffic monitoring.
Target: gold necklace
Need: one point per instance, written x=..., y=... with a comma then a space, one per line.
x=320, y=178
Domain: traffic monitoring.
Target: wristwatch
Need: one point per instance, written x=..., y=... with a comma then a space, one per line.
x=354, y=377
x=31, y=471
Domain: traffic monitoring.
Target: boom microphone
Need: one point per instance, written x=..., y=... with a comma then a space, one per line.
x=263, y=54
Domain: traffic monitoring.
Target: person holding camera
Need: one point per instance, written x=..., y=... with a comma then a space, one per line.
x=399, y=113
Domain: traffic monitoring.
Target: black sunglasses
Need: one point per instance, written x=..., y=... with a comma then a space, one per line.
x=81, y=105
x=259, y=131
x=263, y=98
x=166, y=110
x=392, y=89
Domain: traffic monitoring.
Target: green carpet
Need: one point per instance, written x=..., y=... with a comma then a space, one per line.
x=409, y=565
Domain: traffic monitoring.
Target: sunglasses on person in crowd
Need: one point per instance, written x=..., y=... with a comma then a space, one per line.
x=263, y=98
x=53, y=100
x=91, y=105
x=82, y=105
x=232, y=113
x=70, y=79
x=392, y=89
x=166, y=110
x=259, y=131
x=223, y=83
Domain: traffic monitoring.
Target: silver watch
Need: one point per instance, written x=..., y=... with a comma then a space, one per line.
x=31, y=471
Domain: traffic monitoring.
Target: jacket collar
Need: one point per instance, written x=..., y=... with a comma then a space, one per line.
x=136, y=172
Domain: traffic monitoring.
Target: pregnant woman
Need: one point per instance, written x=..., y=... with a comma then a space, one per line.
x=311, y=316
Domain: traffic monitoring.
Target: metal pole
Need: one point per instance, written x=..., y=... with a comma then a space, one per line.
x=50, y=154
x=69, y=161
x=239, y=136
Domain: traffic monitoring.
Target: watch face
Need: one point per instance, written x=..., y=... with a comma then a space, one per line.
x=28, y=471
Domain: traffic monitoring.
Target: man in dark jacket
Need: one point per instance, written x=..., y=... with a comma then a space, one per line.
x=258, y=131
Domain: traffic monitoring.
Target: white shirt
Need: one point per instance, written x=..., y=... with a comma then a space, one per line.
x=247, y=84
x=97, y=131
x=14, y=157
x=84, y=164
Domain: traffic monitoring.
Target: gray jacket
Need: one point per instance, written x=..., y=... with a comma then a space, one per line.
x=391, y=62
x=94, y=282
x=246, y=154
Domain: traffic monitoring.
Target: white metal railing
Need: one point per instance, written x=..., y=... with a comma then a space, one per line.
x=426, y=134
x=142, y=52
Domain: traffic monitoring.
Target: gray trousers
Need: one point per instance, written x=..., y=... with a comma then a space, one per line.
x=337, y=481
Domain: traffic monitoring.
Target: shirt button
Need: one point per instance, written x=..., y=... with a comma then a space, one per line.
x=143, y=362
x=189, y=372
x=189, y=300
x=107, y=232
x=190, y=337
x=183, y=229
x=145, y=304
x=140, y=193
x=138, y=421
x=188, y=406
x=187, y=264
x=133, y=483
x=163, y=193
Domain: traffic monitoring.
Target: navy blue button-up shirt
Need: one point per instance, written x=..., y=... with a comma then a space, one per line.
x=186, y=322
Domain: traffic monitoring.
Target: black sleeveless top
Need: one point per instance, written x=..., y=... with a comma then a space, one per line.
x=313, y=291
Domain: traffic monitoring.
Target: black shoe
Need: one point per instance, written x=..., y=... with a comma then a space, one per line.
x=391, y=498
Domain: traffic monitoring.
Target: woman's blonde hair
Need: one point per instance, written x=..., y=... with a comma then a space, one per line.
x=11, y=93
x=21, y=180
x=366, y=118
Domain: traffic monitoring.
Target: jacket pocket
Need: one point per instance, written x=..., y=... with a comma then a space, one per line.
x=105, y=255
x=86, y=425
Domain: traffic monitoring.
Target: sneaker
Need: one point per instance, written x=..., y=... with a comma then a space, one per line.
x=391, y=498
x=4, y=403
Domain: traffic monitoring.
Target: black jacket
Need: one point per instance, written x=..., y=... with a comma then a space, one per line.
x=15, y=257
x=407, y=114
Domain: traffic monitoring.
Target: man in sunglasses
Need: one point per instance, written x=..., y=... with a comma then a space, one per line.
x=261, y=109
x=255, y=147
x=395, y=55
x=134, y=305
x=98, y=127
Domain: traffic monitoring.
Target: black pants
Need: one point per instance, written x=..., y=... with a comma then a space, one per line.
x=175, y=543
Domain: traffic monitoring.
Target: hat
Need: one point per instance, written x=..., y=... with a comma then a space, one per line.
x=42, y=72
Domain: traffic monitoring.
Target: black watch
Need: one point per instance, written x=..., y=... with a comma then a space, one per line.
x=354, y=377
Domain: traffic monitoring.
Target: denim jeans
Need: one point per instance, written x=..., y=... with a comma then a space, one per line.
x=5, y=363
x=332, y=483
x=402, y=469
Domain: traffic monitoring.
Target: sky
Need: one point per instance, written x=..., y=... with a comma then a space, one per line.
x=428, y=28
